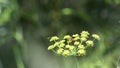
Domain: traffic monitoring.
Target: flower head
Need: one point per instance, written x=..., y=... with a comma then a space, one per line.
x=74, y=45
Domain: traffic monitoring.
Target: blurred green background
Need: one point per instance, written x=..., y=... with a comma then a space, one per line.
x=26, y=25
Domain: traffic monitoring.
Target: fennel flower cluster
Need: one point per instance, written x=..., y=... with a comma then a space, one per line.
x=73, y=45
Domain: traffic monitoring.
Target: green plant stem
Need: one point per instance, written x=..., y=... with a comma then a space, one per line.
x=77, y=62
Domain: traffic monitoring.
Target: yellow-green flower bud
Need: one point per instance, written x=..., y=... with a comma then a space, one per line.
x=85, y=32
x=83, y=39
x=67, y=37
x=66, y=52
x=62, y=45
x=71, y=47
x=54, y=38
x=67, y=46
x=75, y=35
x=76, y=38
x=89, y=43
x=76, y=43
x=84, y=35
x=62, y=41
x=96, y=36
x=51, y=47
x=81, y=47
x=59, y=51
x=56, y=43
x=81, y=52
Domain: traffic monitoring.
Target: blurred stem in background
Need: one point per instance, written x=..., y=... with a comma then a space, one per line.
x=18, y=57
x=77, y=62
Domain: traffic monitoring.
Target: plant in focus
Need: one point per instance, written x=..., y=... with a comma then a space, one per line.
x=74, y=45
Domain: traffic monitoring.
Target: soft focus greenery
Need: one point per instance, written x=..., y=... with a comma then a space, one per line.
x=26, y=25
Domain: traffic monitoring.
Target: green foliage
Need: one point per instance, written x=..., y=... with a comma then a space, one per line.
x=26, y=24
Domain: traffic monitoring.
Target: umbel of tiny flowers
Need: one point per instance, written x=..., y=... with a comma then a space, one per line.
x=73, y=45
